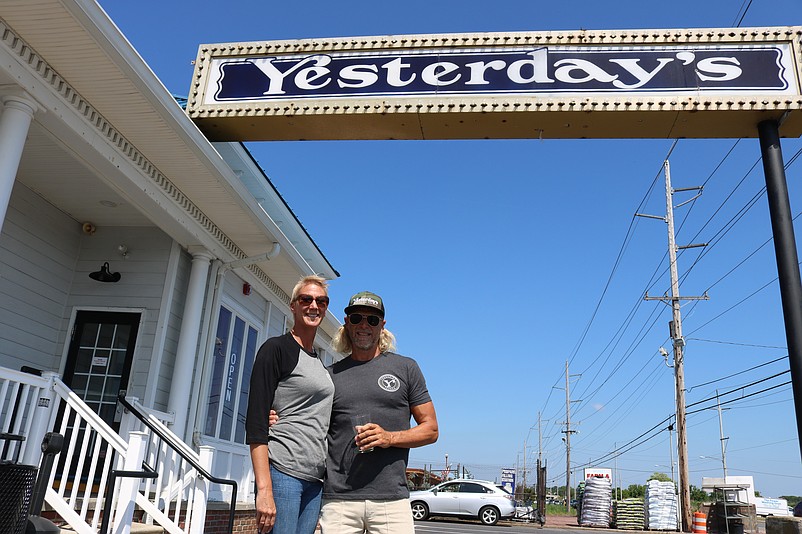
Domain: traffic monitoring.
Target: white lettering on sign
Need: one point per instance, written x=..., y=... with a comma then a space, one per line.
x=232, y=367
x=559, y=69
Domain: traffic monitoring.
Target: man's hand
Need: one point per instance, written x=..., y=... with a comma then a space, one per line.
x=272, y=419
x=372, y=435
x=424, y=433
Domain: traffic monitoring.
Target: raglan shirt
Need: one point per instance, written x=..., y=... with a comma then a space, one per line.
x=295, y=383
x=385, y=388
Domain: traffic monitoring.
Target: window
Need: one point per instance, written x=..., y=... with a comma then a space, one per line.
x=470, y=487
x=234, y=351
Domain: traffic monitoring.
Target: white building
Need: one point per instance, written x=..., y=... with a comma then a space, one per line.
x=100, y=169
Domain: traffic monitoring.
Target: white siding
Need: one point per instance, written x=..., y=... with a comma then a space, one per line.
x=143, y=274
x=253, y=305
x=39, y=246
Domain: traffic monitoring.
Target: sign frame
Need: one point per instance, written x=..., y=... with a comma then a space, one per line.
x=534, y=112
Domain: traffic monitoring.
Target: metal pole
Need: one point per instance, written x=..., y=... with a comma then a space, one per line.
x=787, y=261
x=722, y=438
x=567, y=441
x=524, y=481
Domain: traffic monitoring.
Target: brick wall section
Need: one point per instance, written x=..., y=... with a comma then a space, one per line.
x=216, y=518
x=217, y=521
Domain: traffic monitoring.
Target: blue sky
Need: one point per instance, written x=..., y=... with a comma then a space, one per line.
x=500, y=260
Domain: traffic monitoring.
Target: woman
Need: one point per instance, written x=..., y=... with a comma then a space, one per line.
x=289, y=457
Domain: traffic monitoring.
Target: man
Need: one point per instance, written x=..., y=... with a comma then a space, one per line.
x=366, y=486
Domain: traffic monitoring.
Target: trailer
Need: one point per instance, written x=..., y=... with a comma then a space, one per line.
x=766, y=506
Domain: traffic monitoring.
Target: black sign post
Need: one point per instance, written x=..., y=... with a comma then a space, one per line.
x=782, y=225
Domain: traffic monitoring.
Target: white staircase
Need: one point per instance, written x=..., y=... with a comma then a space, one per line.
x=79, y=488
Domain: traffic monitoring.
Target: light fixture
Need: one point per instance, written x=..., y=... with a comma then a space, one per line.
x=104, y=275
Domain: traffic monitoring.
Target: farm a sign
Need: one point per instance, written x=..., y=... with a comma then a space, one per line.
x=598, y=472
x=499, y=85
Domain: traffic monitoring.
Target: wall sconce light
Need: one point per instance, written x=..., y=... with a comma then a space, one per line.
x=104, y=275
x=123, y=251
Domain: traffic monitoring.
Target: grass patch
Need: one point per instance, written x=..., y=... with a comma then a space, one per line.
x=556, y=509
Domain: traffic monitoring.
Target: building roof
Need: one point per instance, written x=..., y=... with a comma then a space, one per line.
x=110, y=145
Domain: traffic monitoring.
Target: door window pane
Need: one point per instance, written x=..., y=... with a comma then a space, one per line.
x=219, y=357
x=245, y=383
x=232, y=379
x=233, y=356
x=105, y=337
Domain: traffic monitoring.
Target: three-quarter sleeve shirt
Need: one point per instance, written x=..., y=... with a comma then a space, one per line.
x=293, y=382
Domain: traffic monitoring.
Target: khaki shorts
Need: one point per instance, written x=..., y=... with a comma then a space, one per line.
x=371, y=517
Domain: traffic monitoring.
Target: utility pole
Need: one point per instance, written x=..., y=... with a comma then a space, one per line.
x=541, y=478
x=524, y=477
x=678, y=342
x=568, y=433
x=539, y=439
x=723, y=439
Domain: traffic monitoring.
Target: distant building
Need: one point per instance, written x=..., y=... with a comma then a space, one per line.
x=422, y=479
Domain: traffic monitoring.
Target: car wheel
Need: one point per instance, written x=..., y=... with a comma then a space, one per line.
x=420, y=512
x=488, y=515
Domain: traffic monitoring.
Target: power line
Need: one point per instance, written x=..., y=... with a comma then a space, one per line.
x=736, y=374
x=646, y=437
x=742, y=13
x=737, y=344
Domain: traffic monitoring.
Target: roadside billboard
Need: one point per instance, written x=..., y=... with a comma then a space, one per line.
x=508, y=480
x=662, y=83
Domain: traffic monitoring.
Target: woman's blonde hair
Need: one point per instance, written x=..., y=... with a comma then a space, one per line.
x=342, y=341
x=305, y=281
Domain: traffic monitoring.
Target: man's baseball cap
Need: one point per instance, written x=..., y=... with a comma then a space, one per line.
x=365, y=299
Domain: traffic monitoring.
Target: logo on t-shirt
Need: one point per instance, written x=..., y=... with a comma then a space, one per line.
x=389, y=383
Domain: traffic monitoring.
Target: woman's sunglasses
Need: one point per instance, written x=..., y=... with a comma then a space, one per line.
x=356, y=318
x=306, y=300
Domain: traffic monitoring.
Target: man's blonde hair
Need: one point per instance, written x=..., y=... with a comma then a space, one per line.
x=342, y=341
x=305, y=281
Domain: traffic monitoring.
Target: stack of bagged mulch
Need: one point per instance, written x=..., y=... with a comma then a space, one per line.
x=596, y=502
x=661, y=505
x=629, y=514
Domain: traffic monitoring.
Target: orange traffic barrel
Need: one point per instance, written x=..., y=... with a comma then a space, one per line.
x=699, y=523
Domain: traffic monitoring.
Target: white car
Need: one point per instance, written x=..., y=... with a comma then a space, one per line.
x=476, y=499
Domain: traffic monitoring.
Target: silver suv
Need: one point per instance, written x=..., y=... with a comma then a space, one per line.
x=476, y=499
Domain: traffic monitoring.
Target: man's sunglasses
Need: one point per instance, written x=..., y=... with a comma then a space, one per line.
x=306, y=300
x=356, y=318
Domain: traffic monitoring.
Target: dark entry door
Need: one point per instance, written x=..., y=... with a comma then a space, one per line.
x=99, y=359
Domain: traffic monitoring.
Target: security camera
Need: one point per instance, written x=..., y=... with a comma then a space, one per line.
x=663, y=352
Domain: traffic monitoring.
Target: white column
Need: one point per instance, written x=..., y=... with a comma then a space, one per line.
x=18, y=110
x=187, y=351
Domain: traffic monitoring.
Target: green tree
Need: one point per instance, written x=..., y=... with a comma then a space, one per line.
x=634, y=490
x=698, y=494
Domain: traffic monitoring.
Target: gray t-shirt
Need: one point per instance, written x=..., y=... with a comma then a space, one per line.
x=385, y=388
x=295, y=384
